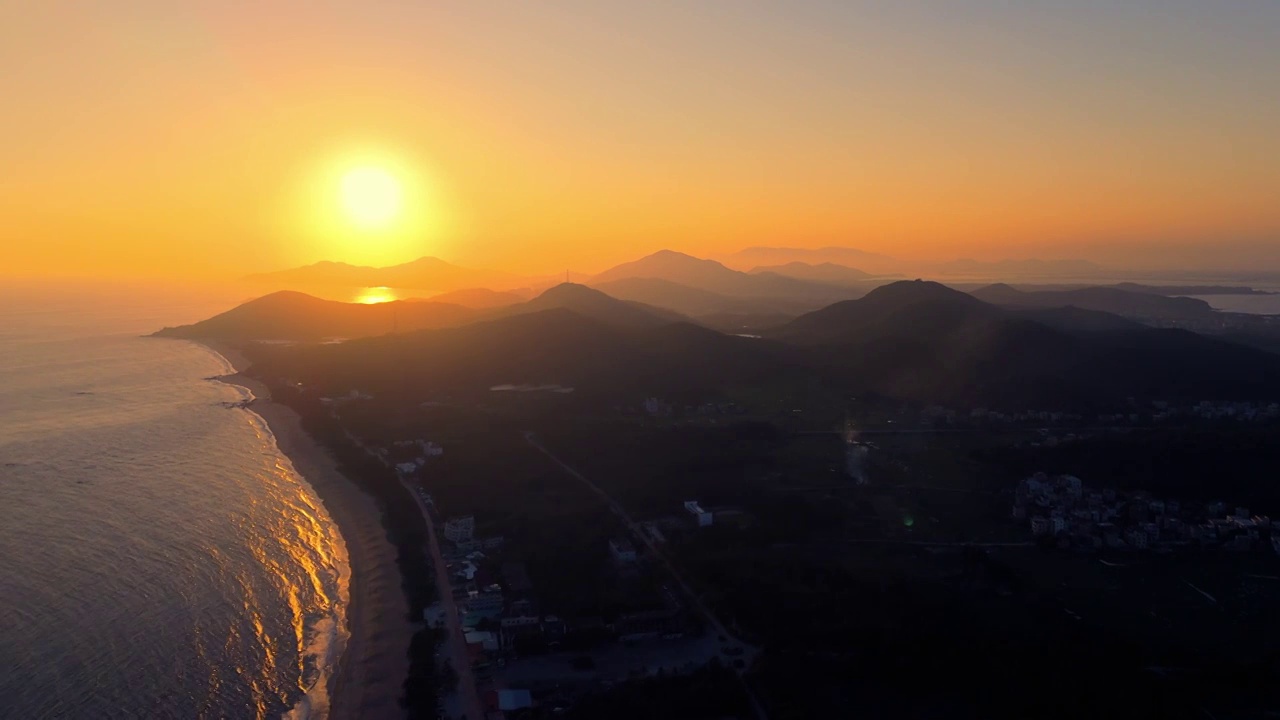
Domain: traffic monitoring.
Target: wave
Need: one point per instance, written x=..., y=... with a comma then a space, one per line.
x=324, y=636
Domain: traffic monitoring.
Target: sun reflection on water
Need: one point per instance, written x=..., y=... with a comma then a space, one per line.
x=375, y=295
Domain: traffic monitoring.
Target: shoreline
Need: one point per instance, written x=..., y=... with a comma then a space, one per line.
x=367, y=678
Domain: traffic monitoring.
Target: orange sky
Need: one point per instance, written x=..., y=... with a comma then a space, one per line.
x=207, y=138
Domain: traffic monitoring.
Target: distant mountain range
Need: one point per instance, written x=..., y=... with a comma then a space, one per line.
x=913, y=340
x=686, y=299
x=826, y=272
x=482, y=298
x=755, y=257
x=297, y=317
x=928, y=342
x=1133, y=304
x=289, y=315
x=553, y=346
x=425, y=273
x=596, y=305
x=714, y=277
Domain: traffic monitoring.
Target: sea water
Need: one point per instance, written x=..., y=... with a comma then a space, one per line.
x=159, y=556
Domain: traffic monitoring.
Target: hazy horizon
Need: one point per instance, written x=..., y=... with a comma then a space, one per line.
x=168, y=140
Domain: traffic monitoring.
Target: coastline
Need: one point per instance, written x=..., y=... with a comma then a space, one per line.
x=367, y=678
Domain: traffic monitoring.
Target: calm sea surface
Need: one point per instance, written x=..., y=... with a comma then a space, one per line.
x=160, y=557
x=1254, y=304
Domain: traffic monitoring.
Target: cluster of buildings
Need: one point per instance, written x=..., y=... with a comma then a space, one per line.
x=941, y=415
x=656, y=407
x=693, y=516
x=1158, y=412
x=419, y=452
x=334, y=402
x=461, y=531
x=1063, y=508
x=1161, y=412
x=499, y=612
x=1247, y=411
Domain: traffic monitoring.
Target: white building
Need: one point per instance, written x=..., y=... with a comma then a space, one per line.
x=467, y=571
x=703, y=517
x=509, y=623
x=484, y=639
x=460, y=529
x=485, y=602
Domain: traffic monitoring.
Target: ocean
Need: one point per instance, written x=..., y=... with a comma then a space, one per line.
x=1252, y=304
x=161, y=557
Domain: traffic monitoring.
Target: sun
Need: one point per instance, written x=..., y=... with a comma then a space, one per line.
x=371, y=197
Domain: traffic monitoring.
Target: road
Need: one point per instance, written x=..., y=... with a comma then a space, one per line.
x=732, y=648
x=455, y=641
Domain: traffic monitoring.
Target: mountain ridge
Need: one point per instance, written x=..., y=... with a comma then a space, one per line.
x=424, y=273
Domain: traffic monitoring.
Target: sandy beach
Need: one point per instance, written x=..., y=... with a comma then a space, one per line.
x=367, y=682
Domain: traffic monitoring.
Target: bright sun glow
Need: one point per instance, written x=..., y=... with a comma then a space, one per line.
x=371, y=197
x=375, y=295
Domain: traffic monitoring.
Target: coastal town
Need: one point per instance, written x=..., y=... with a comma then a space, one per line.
x=505, y=643
x=1064, y=511
x=511, y=646
x=504, y=650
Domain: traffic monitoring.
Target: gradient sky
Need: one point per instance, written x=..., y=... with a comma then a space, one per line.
x=203, y=138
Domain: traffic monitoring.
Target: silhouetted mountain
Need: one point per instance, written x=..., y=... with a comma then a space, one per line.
x=1190, y=289
x=288, y=315
x=826, y=272
x=554, y=346
x=425, y=273
x=771, y=256
x=682, y=298
x=713, y=277
x=906, y=306
x=919, y=341
x=927, y=342
x=481, y=298
x=1135, y=305
x=1077, y=320
x=596, y=305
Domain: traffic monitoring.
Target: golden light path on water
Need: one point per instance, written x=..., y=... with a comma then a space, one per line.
x=375, y=295
x=296, y=538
